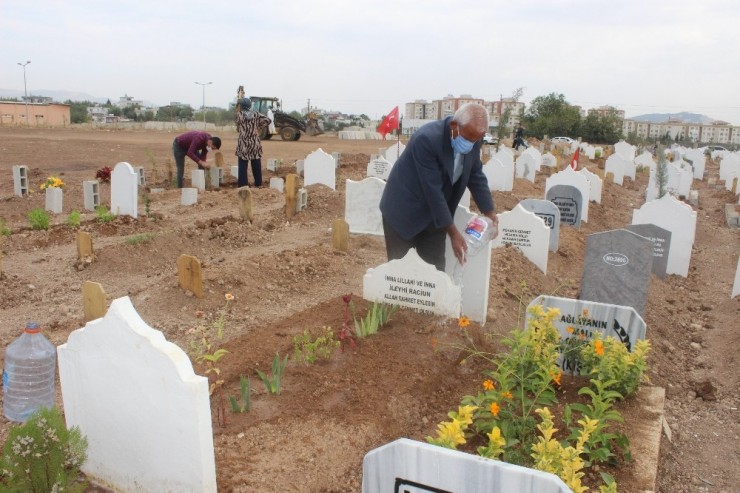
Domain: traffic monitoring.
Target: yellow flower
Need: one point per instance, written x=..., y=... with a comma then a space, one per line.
x=507, y=395
x=488, y=385
x=229, y=297
x=569, y=330
x=556, y=378
x=599, y=347
x=495, y=409
x=451, y=433
x=495, y=438
x=463, y=322
x=465, y=414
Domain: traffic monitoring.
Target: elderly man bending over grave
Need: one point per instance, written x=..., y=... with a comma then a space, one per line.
x=426, y=184
x=195, y=145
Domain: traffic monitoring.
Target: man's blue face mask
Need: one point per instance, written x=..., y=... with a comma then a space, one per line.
x=462, y=145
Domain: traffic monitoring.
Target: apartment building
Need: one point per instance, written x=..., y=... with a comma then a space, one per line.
x=718, y=132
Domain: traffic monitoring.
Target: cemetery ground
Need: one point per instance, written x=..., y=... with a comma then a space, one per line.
x=286, y=278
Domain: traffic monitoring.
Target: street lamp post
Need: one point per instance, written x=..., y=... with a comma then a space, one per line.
x=203, y=107
x=25, y=92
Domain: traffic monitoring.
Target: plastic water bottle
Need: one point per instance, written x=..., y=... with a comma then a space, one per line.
x=28, y=379
x=478, y=232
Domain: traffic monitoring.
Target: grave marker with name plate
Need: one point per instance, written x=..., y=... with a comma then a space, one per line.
x=412, y=283
x=379, y=168
x=527, y=232
x=550, y=214
x=585, y=318
x=661, y=239
x=569, y=176
x=570, y=201
x=616, y=269
x=408, y=466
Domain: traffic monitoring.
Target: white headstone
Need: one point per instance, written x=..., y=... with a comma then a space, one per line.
x=299, y=167
x=549, y=160
x=536, y=155
x=678, y=218
x=570, y=202
x=729, y=164
x=54, y=200
x=589, y=317
x=500, y=175
x=736, y=284
x=526, y=231
x=526, y=167
x=589, y=151
x=574, y=179
x=595, y=185
x=320, y=167
x=20, y=180
x=189, y=196
x=475, y=274
x=124, y=191
x=235, y=171
x=412, y=283
x=272, y=165
x=301, y=201
x=156, y=434
x=277, y=183
x=392, y=153
x=407, y=466
x=646, y=161
x=91, y=194
x=698, y=162
x=337, y=158
x=217, y=175
x=379, y=168
x=627, y=151
x=362, y=206
x=505, y=155
x=198, y=179
x=615, y=164
x=550, y=214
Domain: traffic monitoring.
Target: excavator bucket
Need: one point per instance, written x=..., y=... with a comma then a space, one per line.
x=312, y=125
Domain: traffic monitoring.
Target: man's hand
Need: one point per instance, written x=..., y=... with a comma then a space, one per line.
x=494, y=218
x=205, y=164
x=458, y=243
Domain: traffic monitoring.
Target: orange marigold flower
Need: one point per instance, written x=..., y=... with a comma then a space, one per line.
x=507, y=395
x=463, y=322
x=582, y=337
x=488, y=384
x=556, y=377
x=495, y=409
x=599, y=347
x=569, y=330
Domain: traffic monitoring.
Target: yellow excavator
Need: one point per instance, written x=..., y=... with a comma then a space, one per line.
x=286, y=126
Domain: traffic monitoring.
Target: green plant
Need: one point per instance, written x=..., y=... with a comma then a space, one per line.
x=4, y=230
x=377, y=316
x=309, y=349
x=205, y=347
x=73, y=220
x=42, y=455
x=140, y=238
x=597, y=153
x=245, y=399
x=609, y=360
x=39, y=218
x=155, y=170
x=273, y=383
x=52, y=182
x=103, y=214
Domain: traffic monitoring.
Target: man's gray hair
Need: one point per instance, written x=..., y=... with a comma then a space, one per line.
x=472, y=112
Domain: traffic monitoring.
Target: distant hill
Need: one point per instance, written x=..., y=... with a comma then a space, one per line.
x=684, y=116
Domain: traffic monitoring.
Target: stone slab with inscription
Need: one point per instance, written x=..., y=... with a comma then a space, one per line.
x=661, y=239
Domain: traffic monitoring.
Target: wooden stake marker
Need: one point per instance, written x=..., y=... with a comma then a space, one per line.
x=188, y=273
x=340, y=235
x=245, y=204
x=291, y=192
x=84, y=246
x=93, y=300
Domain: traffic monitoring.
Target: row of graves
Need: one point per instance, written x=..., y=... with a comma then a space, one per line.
x=163, y=402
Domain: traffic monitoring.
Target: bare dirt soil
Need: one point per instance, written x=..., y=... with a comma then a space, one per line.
x=286, y=278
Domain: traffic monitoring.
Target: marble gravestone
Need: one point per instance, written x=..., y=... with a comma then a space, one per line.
x=646, y=161
x=362, y=206
x=626, y=150
x=320, y=167
x=412, y=283
x=568, y=176
x=550, y=214
x=661, y=239
x=124, y=190
x=595, y=185
x=379, y=168
x=615, y=164
x=527, y=232
x=570, y=202
x=616, y=269
x=678, y=218
x=698, y=162
x=392, y=153
x=526, y=167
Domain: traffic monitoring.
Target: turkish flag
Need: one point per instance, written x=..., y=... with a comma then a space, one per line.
x=389, y=123
x=574, y=159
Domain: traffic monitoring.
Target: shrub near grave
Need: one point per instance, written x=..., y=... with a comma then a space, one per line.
x=39, y=219
x=522, y=385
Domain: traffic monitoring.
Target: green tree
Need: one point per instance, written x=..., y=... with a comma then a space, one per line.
x=552, y=115
x=115, y=110
x=130, y=112
x=602, y=128
x=78, y=110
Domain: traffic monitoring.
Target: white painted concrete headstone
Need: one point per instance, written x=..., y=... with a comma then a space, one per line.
x=678, y=218
x=572, y=178
x=362, y=206
x=526, y=167
x=550, y=214
x=615, y=164
x=550, y=161
x=198, y=179
x=526, y=231
x=500, y=175
x=189, y=196
x=154, y=433
x=408, y=466
x=124, y=190
x=392, y=153
x=277, y=183
x=320, y=167
x=736, y=284
x=595, y=185
x=412, y=283
x=626, y=150
x=379, y=168
x=54, y=200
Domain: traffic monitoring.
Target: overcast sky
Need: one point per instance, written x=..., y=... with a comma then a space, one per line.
x=642, y=56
